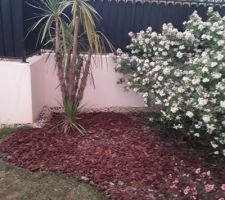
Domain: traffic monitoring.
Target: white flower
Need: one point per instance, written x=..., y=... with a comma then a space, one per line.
x=147, y=40
x=205, y=80
x=214, y=145
x=179, y=126
x=178, y=117
x=164, y=53
x=178, y=73
x=135, y=89
x=165, y=63
x=131, y=34
x=180, y=89
x=145, y=95
x=206, y=118
x=222, y=104
x=204, y=36
x=211, y=128
x=213, y=64
x=224, y=152
x=179, y=54
x=197, y=126
x=149, y=29
x=174, y=109
x=154, y=34
x=182, y=47
x=210, y=9
x=151, y=119
x=212, y=28
x=200, y=27
x=167, y=47
x=160, y=78
x=179, y=35
x=205, y=61
x=197, y=135
x=141, y=42
x=195, y=81
x=185, y=79
x=220, y=42
x=202, y=102
x=205, y=69
x=146, y=65
x=208, y=37
x=219, y=57
x=216, y=75
x=189, y=114
x=166, y=71
x=152, y=43
x=157, y=68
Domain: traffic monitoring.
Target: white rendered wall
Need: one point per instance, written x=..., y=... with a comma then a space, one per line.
x=26, y=88
x=106, y=93
x=38, y=84
x=15, y=93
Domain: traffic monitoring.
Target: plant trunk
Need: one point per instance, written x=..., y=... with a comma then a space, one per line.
x=59, y=60
x=84, y=78
x=67, y=67
x=74, y=68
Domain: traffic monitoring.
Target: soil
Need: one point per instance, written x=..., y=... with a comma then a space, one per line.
x=119, y=154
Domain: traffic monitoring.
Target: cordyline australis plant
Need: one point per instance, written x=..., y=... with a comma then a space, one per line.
x=71, y=37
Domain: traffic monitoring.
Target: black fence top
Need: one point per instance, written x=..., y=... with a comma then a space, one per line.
x=203, y=2
x=119, y=18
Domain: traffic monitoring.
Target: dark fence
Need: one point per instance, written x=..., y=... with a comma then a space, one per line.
x=11, y=28
x=119, y=18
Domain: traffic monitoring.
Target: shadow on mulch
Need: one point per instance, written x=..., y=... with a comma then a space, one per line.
x=119, y=154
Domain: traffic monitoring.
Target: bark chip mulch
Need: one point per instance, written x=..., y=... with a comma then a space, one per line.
x=119, y=154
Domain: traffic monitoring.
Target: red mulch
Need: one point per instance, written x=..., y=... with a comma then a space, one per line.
x=119, y=154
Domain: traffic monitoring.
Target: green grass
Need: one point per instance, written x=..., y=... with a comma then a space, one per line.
x=19, y=184
x=6, y=131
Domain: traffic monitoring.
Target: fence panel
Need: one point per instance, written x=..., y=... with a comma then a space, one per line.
x=119, y=18
x=2, y=50
x=11, y=28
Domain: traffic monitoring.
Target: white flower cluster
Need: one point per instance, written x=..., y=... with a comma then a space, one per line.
x=185, y=73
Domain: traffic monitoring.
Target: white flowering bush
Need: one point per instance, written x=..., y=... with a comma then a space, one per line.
x=184, y=73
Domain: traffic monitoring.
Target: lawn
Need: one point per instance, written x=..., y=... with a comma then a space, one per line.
x=4, y=132
x=19, y=184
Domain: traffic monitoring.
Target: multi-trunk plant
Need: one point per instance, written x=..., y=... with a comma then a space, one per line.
x=69, y=26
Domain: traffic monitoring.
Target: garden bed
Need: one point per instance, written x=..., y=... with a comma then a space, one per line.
x=120, y=155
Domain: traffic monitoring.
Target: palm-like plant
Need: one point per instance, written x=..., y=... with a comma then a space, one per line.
x=70, y=37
